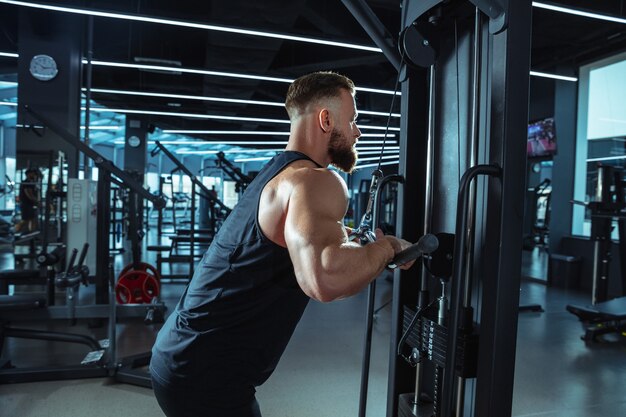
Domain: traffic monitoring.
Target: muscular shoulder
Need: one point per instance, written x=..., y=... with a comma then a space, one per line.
x=301, y=189
x=315, y=187
x=318, y=178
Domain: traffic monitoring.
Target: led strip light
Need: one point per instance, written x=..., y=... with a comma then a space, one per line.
x=235, y=151
x=171, y=22
x=254, y=133
x=243, y=142
x=203, y=72
x=553, y=76
x=216, y=99
x=226, y=151
x=243, y=76
x=216, y=73
x=212, y=116
x=607, y=158
x=576, y=12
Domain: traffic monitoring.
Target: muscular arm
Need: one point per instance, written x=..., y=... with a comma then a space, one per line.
x=327, y=266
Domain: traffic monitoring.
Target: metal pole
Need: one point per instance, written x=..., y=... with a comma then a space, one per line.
x=192, y=250
x=88, y=81
x=430, y=156
x=112, y=348
x=456, y=301
x=471, y=215
x=367, y=350
x=103, y=224
x=596, y=269
x=375, y=29
x=369, y=319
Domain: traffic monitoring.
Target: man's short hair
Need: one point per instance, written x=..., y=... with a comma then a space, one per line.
x=312, y=87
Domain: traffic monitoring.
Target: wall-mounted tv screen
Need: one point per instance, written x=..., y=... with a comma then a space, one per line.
x=541, y=138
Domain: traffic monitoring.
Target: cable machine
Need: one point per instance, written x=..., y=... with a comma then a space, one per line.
x=464, y=82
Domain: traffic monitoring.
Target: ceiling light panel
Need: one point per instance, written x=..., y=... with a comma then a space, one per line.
x=553, y=76
x=216, y=73
x=216, y=99
x=258, y=77
x=193, y=25
x=577, y=12
x=212, y=116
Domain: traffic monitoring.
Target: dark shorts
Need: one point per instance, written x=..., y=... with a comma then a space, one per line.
x=178, y=400
x=27, y=211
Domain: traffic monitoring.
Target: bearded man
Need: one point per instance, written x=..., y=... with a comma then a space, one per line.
x=283, y=244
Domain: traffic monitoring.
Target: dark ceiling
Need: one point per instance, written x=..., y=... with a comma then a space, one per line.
x=558, y=40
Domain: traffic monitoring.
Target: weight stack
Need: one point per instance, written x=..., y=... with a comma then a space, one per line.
x=430, y=338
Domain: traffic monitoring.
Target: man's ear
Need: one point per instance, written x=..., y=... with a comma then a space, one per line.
x=324, y=120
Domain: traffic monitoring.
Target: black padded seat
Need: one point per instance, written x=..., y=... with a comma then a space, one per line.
x=17, y=274
x=196, y=239
x=201, y=231
x=18, y=277
x=21, y=302
x=158, y=248
x=608, y=310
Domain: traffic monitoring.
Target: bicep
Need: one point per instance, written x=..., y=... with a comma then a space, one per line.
x=313, y=224
x=314, y=218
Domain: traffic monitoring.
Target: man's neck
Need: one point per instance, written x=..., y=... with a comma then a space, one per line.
x=306, y=138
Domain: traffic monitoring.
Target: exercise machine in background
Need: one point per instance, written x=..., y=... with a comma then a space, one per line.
x=190, y=238
x=127, y=369
x=6, y=222
x=540, y=216
x=234, y=173
x=605, y=316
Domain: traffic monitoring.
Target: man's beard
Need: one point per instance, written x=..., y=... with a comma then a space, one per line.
x=342, y=155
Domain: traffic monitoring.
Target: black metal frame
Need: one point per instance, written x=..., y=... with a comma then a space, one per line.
x=493, y=253
x=371, y=298
x=233, y=172
x=501, y=258
x=411, y=210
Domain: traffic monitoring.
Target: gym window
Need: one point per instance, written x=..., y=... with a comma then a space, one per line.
x=601, y=130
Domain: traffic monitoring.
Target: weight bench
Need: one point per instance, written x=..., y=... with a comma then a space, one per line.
x=169, y=259
x=199, y=241
x=606, y=317
x=187, y=239
x=26, y=277
x=200, y=231
x=159, y=249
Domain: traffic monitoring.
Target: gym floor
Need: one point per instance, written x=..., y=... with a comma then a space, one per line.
x=557, y=375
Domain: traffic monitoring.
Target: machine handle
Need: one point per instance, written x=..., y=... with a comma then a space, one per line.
x=426, y=244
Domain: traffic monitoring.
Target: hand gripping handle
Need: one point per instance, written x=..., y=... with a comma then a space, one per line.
x=426, y=244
